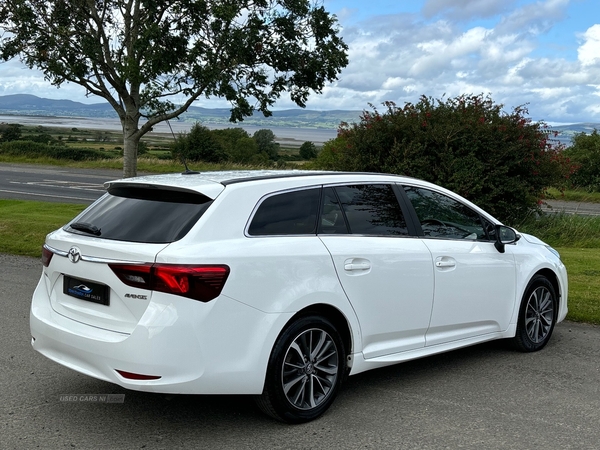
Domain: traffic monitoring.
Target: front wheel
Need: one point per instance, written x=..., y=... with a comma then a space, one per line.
x=305, y=371
x=537, y=315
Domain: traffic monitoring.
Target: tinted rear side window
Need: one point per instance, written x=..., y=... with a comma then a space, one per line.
x=372, y=209
x=154, y=216
x=289, y=213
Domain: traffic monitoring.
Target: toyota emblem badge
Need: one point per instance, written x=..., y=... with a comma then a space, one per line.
x=74, y=254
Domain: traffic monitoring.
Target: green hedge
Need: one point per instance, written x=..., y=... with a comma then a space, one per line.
x=35, y=149
x=501, y=161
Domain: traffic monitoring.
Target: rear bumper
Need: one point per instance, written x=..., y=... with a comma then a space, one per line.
x=182, y=341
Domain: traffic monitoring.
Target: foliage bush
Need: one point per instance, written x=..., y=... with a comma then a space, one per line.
x=228, y=138
x=40, y=149
x=585, y=152
x=503, y=162
x=230, y=144
x=10, y=132
x=265, y=140
x=243, y=150
x=308, y=150
x=198, y=145
x=142, y=148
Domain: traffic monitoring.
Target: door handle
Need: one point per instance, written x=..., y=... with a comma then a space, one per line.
x=445, y=263
x=357, y=266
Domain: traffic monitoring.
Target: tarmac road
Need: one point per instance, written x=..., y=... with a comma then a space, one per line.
x=53, y=184
x=483, y=397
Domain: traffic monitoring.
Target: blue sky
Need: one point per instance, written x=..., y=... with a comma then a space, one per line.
x=544, y=53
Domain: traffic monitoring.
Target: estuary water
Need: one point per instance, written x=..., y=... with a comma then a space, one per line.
x=289, y=135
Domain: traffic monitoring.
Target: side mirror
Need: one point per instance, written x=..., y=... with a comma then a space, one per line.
x=505, y=235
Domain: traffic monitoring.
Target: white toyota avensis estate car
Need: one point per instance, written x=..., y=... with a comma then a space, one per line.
x=279, y=284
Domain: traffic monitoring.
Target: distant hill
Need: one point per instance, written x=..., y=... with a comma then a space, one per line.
x=566, y=132
x=30, y=105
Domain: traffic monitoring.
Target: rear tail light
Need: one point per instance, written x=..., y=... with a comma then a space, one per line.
x=46, y=256
x=199, y=282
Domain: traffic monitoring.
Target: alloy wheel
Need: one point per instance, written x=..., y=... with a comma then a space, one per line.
x=539, y=314
x=310, y=369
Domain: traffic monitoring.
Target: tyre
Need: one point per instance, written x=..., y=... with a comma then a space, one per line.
x=537, y=315
x=305, y=371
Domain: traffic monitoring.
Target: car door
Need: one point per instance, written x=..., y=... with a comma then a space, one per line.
x=474, y=282
x=386, y=274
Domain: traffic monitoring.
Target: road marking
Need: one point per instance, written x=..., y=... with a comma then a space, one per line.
x=47, y=195
x=64, y=184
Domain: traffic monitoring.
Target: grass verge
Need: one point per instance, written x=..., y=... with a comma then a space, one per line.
x=148, y=165
x=151, y=163
x=575, y=195
x=583, y=265
x=564, y=230
x=24, y=224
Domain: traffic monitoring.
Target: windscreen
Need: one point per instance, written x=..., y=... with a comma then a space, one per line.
x=135, y=214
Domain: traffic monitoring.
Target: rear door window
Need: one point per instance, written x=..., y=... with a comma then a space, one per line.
x=288, y=213
x=370, y=210
x=149, y=215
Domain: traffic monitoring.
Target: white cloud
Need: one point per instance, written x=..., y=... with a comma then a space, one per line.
x=589, y=52
x=534, y=18
x=400, y=57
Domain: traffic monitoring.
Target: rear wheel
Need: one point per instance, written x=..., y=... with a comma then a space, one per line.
x=305, y=371
x=537, y=315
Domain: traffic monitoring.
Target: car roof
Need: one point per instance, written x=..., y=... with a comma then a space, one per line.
x=212, y=183
x=191, y=179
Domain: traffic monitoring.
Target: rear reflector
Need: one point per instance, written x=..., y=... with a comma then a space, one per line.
x=198, y=282
x=137, y=376
x=46, y=256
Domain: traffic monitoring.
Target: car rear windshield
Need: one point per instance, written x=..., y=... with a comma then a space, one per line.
x=149, y=215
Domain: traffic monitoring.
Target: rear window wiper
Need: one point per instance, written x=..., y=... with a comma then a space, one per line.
x=86, y=228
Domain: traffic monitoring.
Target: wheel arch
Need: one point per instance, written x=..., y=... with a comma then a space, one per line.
x=334, y=315
x=274, y=400
x=553, y=279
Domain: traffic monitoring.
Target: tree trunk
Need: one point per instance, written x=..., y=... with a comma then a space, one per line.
x=131, y=138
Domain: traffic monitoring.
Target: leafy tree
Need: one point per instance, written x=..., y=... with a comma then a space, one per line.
x=198, y=145
x=585, y=152
x=142, y=148
x=308, y=150
x=260, y=159
x=501, y=161
x=265, y=139
x=228, y=138
x=10, y=132
x=143, y=56
x=244, y=150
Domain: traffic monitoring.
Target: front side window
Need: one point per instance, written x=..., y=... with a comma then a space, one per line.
x=288, y=213
x=371, y=209
x=444, y=217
